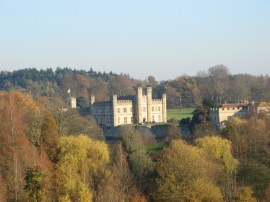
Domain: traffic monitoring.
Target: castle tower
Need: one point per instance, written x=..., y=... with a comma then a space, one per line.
x=92, y=99
x=139, y=105
x=164, y=108
x=149, y=103
x=114, y=108
x=73, y=102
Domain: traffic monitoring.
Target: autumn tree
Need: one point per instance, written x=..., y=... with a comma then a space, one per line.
x=81, y=163
x=173, y=132
x=220, y=149
x=50, y=136
x=181, y=179
x=34, y=184
x=119, y=184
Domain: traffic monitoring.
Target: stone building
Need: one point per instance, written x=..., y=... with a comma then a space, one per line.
x=225, y=112
x=72, y=102
x=121, y=110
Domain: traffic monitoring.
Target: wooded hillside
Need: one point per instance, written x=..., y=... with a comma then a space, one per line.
x=216, y=84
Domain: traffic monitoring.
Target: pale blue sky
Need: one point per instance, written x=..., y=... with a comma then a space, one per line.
x=164, y=38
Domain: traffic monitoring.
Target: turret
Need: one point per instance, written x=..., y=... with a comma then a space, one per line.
x=114, y=104
x=92, y=99
x=73, y=102
x=164, y=108
x=139, y=105
x=149, y=103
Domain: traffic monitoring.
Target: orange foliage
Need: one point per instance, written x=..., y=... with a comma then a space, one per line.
x=137, y=197
x=16, y=150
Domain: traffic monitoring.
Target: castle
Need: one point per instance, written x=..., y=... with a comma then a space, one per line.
x=225, y=112
x=218, y=116
x=122, y=110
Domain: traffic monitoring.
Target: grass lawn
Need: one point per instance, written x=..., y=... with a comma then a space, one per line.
x=179, y=114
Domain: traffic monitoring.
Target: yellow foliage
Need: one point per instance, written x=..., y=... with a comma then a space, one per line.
x=264, y=104
x=184, y=174
x=203, y=190
x=80, y=159
x=237, y=121
x=245, y=195
x=221, y=149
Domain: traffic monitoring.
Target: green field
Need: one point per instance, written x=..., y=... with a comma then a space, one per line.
x=179, y=114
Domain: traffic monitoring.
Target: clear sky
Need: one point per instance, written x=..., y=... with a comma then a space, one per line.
x=163, y=38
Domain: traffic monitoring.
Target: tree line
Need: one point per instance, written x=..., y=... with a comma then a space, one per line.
x=216, y=84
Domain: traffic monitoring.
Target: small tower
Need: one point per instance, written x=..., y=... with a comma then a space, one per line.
x=92, y=99
x=139, y=105
x=164, y=108
x=114, y=104
x=73, y=103
x=72, y=100
x=149, y=103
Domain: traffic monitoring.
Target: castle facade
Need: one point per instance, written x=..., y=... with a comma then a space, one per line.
x=122, y=110
x=225, y=112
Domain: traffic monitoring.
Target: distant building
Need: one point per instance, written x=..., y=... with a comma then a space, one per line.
x=72, y=102
x=121, y=110
x=225, y=112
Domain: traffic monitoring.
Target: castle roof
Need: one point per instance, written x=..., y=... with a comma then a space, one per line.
x=232, y=105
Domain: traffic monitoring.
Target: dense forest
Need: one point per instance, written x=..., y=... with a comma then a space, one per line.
x=48, y=153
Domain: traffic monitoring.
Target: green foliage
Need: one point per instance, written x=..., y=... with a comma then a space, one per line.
x=173, y=132
x=35, y=183
x=150, y=148
x=245, y=194
x=208, y=103
x=200, y=115
x=131, y=139
x=255, y=175
x=141, y=164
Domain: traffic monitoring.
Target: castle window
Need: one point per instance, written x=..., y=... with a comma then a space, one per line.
x=108, y=109
x=153, y=118
x=107, y=120
x=118, y=110
x=144, y=109
x=125, y=119
x=158, y=108
x=153, y=109
x=119, y=119
x=159, y=118
x=125, y=110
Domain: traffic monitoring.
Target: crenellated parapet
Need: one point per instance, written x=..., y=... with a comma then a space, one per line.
x=129, y=109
